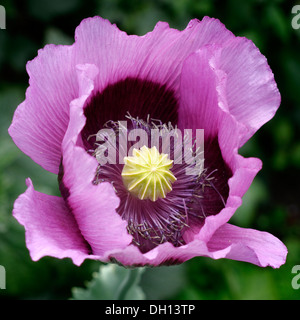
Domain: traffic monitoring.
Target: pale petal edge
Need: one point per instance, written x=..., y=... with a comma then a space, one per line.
x=50, y=228
x=249, y=245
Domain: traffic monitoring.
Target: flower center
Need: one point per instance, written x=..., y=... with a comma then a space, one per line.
x=147, y=174
x=160, y=199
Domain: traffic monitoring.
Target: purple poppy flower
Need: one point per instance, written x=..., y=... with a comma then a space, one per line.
x=200, y=78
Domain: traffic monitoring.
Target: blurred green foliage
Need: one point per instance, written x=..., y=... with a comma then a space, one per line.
x=112, y=282
x=272, y=202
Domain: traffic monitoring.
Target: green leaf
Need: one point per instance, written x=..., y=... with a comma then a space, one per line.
x=112, y=282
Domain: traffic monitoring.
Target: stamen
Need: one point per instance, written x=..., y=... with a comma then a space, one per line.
x=158, y=199
x=147, y=174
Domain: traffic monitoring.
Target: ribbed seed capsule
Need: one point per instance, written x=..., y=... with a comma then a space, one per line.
x=146, y=174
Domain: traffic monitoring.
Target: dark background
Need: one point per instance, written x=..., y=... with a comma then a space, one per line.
x=271, y=204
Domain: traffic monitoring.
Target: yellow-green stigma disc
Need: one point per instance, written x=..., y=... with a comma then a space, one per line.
x=146, y=174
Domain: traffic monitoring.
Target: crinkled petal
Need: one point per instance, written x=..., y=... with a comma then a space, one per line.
x=204, y=105
x=93, y=206
x=244, y=82
x=257, y=247
x=51, y=229
x=156, y=56
x=39, y=123
x=251, y=91
x=165, y=254
x=229, y=241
